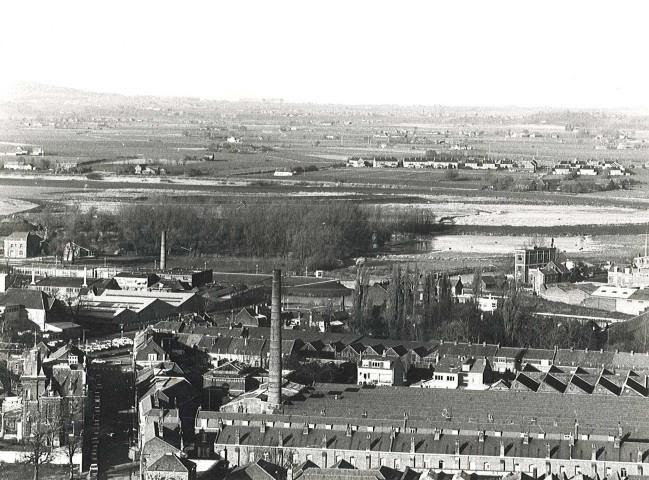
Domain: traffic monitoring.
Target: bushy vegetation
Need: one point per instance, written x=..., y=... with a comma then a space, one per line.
x=420, y=307
x=313, y=235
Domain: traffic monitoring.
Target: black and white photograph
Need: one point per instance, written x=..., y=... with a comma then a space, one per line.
x=324, y=240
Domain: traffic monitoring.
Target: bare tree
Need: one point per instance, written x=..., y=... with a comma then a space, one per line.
x=476, y=284
x=512, y=314
x=39, y=441
x=72, y=432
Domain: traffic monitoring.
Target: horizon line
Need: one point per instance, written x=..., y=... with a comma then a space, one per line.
x=283, y=101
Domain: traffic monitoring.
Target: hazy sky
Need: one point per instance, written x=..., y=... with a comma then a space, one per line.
x=528, y=53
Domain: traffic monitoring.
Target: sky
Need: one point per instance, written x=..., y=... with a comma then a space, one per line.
x=494, y=53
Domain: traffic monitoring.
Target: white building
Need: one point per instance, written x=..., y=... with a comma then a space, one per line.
x=487, y=304
x=375, y=370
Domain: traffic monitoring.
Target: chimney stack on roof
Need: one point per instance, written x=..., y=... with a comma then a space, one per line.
x=275, y=361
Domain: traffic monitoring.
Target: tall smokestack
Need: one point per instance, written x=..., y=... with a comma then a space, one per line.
x=275, y=363
x=163, y=250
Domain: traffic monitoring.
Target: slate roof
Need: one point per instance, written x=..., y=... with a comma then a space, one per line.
x=63, y=352
x=424, y=443
x=18, y=236
x=66, y=282
x=31, y=299
x=172, y=463
x=260, y=470
x=156, y=447
x=467, y=350
x=583, y=358
x=553, y=411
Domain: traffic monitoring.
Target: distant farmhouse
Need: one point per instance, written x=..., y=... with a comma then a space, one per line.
x=18, y=165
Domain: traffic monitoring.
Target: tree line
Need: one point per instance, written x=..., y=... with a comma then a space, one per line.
x=313, y=235
x=420, y=306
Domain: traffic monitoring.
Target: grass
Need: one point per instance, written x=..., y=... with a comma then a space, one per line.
x=15, y=471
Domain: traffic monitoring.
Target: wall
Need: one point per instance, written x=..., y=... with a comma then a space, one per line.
x=241, y=455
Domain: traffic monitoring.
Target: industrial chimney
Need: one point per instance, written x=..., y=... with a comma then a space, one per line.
x=275, y=361
x=163, y=250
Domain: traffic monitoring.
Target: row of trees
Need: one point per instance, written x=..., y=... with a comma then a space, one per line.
x=313, y=235
x=420, y=306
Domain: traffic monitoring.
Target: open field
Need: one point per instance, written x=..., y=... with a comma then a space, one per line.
x=483, y=225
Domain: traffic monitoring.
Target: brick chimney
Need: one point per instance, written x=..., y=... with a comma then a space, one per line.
x=163, y=250
x=275, y=361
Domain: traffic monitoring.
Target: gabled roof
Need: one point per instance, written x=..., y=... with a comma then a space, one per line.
x=150, y=346
x=260, y=470
x=553, y=382
x=355, y=347
x=525, y=382
x=172, y=463
x=581, y=383
x=501, y=384
x=18, y=236
x=608, y=384
x=635, y=384
x=156, y=447
x=64, y=351
x=31, y=299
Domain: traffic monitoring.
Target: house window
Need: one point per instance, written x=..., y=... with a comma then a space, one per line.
x=382, y=461
x=153, y=357
x=517, y=467
x=502, y=465
x=440, y=465
x=562, y=470
x=487, y=466
x=338, y=458
x=622, y=472
x=73, y=359
x=352, y=461
x=309, y=457
x=609, y=471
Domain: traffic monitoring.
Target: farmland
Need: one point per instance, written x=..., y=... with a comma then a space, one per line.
x=247, y=142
